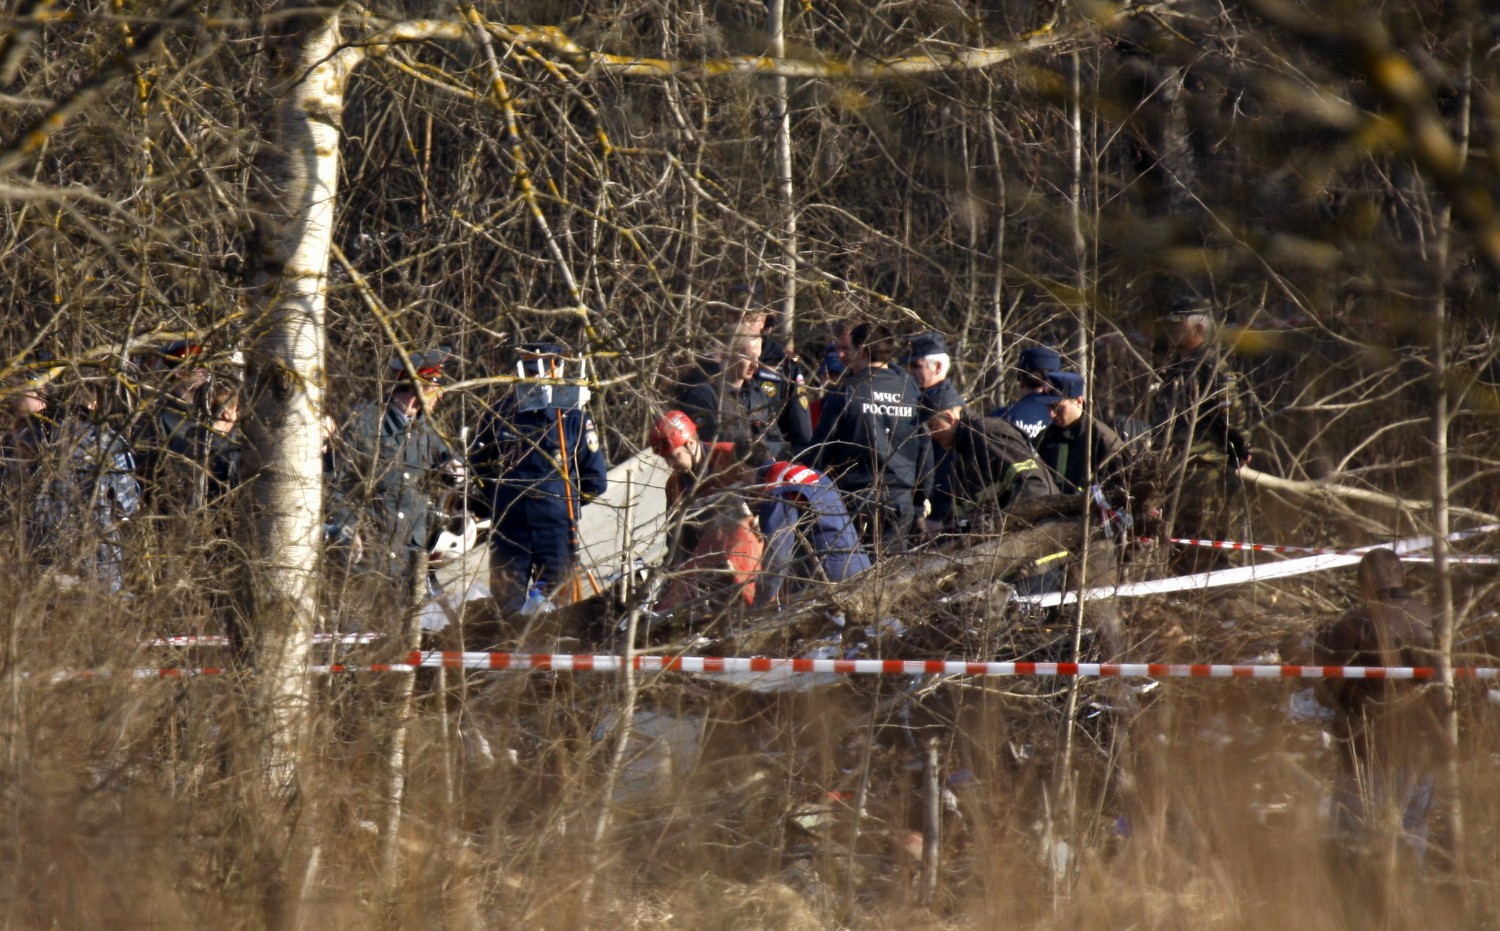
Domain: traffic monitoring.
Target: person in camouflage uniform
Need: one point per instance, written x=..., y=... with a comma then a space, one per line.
x=1202, y=413
x=392, y=466
x=77, y=476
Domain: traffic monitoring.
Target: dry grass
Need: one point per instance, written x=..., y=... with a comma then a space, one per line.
x=122, y=808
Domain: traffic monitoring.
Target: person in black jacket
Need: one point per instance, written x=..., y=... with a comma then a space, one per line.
x=187, y=448
x=870, y=441
x=994, y=466
x=733, y=397
x=930, y=364
x=777, y=360
x=1079, y=449
x=993, y=469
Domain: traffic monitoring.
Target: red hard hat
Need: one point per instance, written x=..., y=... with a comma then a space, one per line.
x=670, y=431
x=790, y=473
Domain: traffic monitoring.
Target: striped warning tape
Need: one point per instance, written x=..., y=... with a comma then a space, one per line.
x=1316, y=551
x=588, y=662
x=219, y=640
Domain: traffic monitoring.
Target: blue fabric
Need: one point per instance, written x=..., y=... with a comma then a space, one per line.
x=1039, y=359
x=940, y=397
x=518, y=461
x=531, y=542
x=1032, y=413
x=815, y=508
x=926, y=344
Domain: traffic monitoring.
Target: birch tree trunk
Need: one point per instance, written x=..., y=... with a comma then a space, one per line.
x=285, y=382
x=781, y=117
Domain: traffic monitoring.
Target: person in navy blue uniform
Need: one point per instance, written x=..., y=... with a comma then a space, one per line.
x=187, y=449
x=393, y=466
x=930, y=365
x=192, y=449
x=928, y=361
x=871, y=442
x=795, y=419
x=1032, y=411
x=539, y=460
x=809, y=534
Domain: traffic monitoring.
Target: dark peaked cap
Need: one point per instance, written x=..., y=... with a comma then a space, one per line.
x=1039, y=359
x=926, y=344
x=940, y=397
x=1066, y=384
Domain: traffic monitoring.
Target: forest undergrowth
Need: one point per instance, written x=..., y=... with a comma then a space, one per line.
x=1197, y=803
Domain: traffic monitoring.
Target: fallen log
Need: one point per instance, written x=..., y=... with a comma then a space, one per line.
x=908, y=585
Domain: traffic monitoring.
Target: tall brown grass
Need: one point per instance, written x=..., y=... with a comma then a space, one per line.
x=1206, y=810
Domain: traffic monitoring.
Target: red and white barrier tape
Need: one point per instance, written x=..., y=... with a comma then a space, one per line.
x=586, y=662
x=219, y=640
x=1463, y=558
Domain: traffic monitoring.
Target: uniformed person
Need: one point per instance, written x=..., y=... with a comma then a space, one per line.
x=805, y=530
x=393, y=465
x=929, y=363
x=795, y=417
x=1080, y=450
x=731, y=396
x=699, y=472
x=829, y=373
x=76, y=474
x=870, y=441
x=192, y=447
x=994, y=465
x=809, y=534
x=1201, y=411
x=994, y=468
x=1387, y=734
x=697, y=466
x=1032, y=411
x=187, y=447
x=539, y=460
